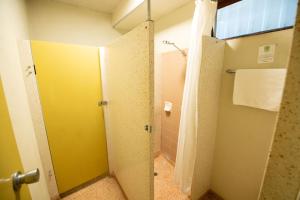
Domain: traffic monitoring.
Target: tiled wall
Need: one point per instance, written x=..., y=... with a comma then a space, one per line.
x=176, y=27
x=282, y=179
x=173, y=74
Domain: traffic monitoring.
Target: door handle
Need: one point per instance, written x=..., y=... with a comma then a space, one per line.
x=18, y=179
x=102, y=103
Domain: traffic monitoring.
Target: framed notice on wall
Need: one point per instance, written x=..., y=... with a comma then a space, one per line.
x=266, y=53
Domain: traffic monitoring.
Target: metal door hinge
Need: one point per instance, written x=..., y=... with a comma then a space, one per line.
x=148, y=128
x=102, y=103
x=29, y=71
x=34, y=69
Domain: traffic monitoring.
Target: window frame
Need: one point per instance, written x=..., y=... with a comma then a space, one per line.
x=226, y=3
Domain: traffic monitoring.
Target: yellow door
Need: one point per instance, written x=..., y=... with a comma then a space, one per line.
x=69, y=84
x=9, y=156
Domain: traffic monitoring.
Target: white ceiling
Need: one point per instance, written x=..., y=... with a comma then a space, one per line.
x=106, y=6
x=159, y=8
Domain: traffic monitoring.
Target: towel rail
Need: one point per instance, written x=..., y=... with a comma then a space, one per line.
x=233, y=71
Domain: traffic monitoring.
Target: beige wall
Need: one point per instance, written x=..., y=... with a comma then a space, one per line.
x=58, y=22
x=208, y=108
x=283, y=173
x=13, y=22
x=124, y=8
x=245, y=134
x=176, y=28
x=173, y=69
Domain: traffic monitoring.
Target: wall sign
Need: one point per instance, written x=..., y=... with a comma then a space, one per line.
x=266, y=53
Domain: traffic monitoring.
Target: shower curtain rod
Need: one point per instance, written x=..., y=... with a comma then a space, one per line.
x=174, y=45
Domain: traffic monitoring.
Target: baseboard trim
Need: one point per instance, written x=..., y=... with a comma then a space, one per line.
x=168, y=159
x=123, y=192
x=156, y=154
x=210, y=194
x=55, y=197
x=83, y=185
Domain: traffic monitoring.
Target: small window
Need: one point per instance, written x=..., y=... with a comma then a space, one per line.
x=254, y=16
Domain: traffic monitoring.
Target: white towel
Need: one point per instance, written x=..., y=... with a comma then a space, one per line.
x=259, y=88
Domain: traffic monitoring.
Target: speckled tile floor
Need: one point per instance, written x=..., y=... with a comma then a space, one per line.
x=108, y=189
x=164, y=186
x=104, y=189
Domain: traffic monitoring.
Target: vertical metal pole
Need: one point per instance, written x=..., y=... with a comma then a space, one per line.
x=148, y=10
x=215, y=24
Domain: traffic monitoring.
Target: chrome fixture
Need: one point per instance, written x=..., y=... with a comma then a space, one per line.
x=102, y=103
x=174, y=45
x=231, y=71
x=18, y=179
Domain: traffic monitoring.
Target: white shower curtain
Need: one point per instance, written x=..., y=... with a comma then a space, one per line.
x=203, y=20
